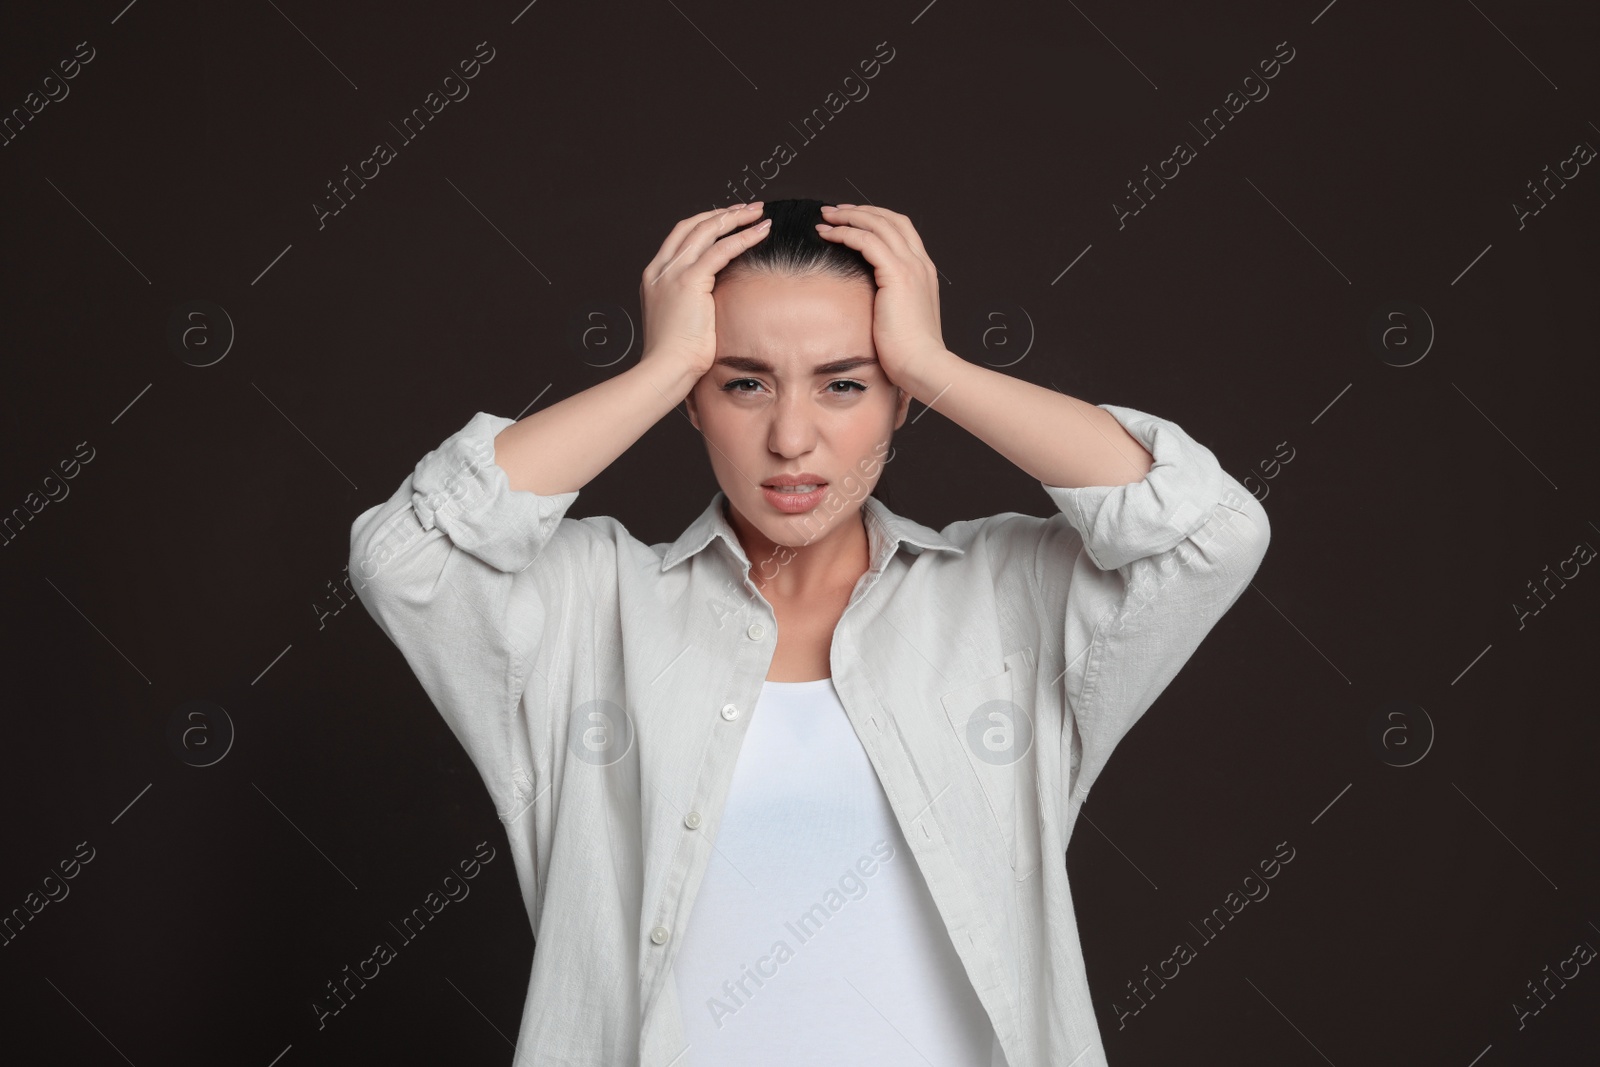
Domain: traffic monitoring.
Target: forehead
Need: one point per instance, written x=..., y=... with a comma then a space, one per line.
x=779, y=317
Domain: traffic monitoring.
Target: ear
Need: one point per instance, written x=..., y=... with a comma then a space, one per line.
x=694, y=416
x=901, y=408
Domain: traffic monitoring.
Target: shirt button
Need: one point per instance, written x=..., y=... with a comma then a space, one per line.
x=755, y=631
x=692, y=820
x=730, y=712
x=659, y=935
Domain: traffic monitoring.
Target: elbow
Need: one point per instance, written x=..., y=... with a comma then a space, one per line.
x=373, y=547
x=1227, y=551
x=1249, y=534
x=1260, y=535
x=362, y=566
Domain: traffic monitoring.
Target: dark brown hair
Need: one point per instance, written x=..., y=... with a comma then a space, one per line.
x=794, y=247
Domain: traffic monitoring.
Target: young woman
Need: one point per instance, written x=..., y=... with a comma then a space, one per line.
x=796, y=788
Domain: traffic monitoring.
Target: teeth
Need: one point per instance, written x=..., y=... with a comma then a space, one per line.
x=794, y=488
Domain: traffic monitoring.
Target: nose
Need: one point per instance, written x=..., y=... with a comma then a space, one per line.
x=792, y=430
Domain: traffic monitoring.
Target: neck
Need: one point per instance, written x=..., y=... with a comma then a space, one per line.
x=835, y=559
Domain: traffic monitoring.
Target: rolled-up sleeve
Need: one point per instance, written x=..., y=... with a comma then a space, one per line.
x=446, y=568
x=459, y=489
x=1152, y=566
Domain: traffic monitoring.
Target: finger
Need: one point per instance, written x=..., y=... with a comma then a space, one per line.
x=903, y=226
x=672, y=247
x=900, y=223
x=704, y=234
x=722, y=252
x=674, y=239
x=869, y=244
x=875, y=221
x=868, y=220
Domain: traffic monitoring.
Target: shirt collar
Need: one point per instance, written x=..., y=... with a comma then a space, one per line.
x=885, y=532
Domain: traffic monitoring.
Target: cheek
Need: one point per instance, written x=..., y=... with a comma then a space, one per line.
x=729, y=437
x=879, y=427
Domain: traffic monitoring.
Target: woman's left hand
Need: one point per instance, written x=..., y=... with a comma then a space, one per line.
x=905, y=312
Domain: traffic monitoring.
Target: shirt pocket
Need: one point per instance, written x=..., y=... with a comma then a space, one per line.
x=997, y=734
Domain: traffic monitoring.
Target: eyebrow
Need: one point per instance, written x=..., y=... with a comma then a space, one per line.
x=761, y=366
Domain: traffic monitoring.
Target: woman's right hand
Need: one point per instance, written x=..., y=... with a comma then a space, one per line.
x=675, y=291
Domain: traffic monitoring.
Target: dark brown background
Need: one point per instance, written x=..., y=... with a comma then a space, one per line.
x=188, y=561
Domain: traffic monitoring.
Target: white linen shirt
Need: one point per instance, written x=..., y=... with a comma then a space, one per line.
x=602, y=686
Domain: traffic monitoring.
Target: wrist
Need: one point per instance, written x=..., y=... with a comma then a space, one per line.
x=930, y=374
x=674, y=378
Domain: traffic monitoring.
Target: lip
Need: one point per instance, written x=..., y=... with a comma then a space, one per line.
x=794, y=503
x=803, y=478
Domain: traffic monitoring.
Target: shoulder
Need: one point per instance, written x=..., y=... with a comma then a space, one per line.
x=1005, y=538
x=593, y=543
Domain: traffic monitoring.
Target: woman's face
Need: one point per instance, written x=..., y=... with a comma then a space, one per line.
x=782, y=398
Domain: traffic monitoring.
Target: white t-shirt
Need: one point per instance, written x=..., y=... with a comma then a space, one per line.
x=814, y=938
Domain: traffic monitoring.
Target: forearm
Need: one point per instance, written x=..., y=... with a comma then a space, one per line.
x=561, y=448
x=1058, y=439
